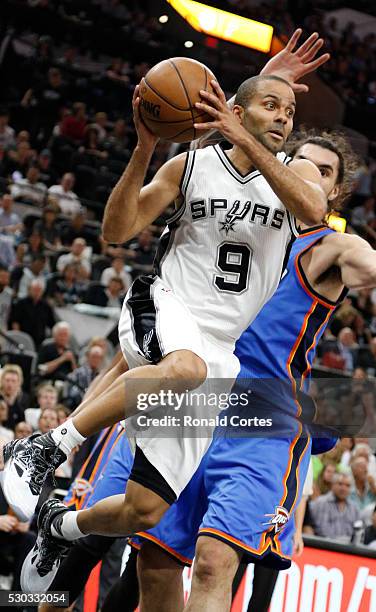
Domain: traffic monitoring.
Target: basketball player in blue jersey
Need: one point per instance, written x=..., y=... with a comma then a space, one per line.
x=239, y=221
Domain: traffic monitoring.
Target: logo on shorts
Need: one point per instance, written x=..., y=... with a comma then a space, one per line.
x=81, y=487
x=278, y=519
x=146, y=343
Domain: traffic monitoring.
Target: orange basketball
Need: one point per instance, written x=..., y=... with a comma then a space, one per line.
x=168, y=94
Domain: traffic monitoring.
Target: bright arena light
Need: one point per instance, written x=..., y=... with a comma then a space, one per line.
x=225, y=25
x=163, y=19
x=188, y=44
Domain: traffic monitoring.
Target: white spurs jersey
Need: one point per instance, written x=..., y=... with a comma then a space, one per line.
x=223, y=251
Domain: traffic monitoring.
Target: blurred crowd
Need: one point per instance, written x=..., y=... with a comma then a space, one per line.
x=66, y=134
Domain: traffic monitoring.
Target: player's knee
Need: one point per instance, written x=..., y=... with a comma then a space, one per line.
x=212, y=561
x=142, y=513
x=184, y=368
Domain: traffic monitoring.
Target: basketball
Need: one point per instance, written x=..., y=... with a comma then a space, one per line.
x=168, y=94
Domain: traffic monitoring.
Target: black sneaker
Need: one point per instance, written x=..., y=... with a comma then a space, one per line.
x=43, y=561
x=27, y=464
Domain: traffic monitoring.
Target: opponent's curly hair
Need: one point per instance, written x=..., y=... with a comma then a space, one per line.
x=336, y=142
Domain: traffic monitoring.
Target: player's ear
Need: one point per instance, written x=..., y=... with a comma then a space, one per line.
x=238, y=112
x=334, y=193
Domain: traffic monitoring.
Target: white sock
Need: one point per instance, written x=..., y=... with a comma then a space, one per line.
x=67, y=437
x=68, y=530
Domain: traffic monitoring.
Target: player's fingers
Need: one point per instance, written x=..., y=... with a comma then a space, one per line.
x=307, y=44
x=311, y=66
x=300, y=88
x=135, y=93
x=206, y=126
x=291, y=43
x=219, y=91
x=213, y=99
x=213, y=112
x=307, y=57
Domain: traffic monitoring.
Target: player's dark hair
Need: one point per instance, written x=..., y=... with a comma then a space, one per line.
x=337, y=143
x=250, y=87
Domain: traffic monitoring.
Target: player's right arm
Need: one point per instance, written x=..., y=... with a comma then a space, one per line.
x=132, y=207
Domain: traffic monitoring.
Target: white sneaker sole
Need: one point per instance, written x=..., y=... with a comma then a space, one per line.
x=17, y=493
x=30, y=580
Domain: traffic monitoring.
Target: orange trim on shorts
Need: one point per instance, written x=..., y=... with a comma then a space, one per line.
x=171, y=551
x=288, y=469
x=263, y=548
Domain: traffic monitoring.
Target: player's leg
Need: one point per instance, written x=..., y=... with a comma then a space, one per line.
x=160, y=580
x=124, y=594
x=35, y=459
x=215, y=566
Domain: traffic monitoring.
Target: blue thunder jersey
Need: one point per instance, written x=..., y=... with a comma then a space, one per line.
x=276, y=352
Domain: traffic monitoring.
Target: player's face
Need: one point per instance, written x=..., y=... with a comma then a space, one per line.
x=269, y=115
x=328, y=164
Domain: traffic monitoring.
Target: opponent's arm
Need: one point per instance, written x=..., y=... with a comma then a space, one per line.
x=356, y=260
x=131, y=207
x=297, y=187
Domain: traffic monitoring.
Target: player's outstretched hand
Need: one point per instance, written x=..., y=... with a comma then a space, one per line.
x=145, y=137
x=224, y=120
x=293, y=65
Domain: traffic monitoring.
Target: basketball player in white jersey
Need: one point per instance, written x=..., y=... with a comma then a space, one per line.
x=219, y=261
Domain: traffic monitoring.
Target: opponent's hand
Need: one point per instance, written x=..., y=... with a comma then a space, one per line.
x=7, y=523
x=298, y=544
x=224, y=120
x=293, y=65
x=145, y=137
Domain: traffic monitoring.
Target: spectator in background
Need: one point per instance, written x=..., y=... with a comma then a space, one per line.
x=73, y=126
x=6, y=434
x=22, y=430
x=10, y=221
x=44, y=102
x=6, y=294
x=334, y=514
x=7, y=254
x=100, y=125
x=34, y=247
x=30, y=190
x=323, y=484
x=370, y=532
x=47, y=400
x=33, y=314
x=48, y=420
x=364, y=215
x=366, y=358
x=91, y=146
x=18, y=161
x=11, y=389
x=55, y=359
x=48, y=175
x=83, y=376
x=106, y=297
x=68, y=201
x=76, y=228
x=79, y=255
x=118, y=270
x=49, y=229
x=7, y=134
x=62, y=413
x=33, y=272
x=67, y=290
x=363, y=490
x=142, y=251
